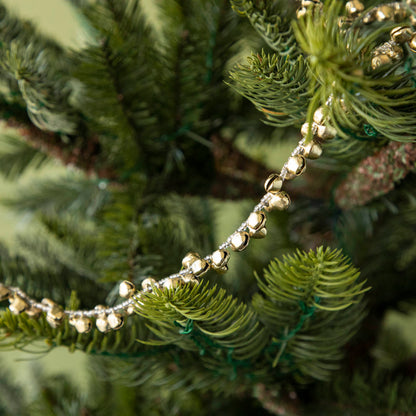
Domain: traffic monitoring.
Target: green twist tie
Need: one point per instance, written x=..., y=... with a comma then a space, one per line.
x=370, y=130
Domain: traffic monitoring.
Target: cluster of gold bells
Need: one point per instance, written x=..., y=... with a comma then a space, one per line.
x=193, y=265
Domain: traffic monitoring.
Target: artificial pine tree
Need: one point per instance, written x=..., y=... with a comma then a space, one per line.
x=147, y=123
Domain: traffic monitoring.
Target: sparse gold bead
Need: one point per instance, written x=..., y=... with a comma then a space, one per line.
x=256, y=220
x=384, y=12
x=305, y=128
x=354, y=8
x=370, y=16
x=190, y=278
x=280, y=201
x=130, y=310
x=102, y=322
x=4, y=292
x=173, y=283
x=296, y=165
x=189, y=259
x=199, y=267
x=219, y=258
x=401, y=34
x=148, y=283
x=17, y=304
x=319, y=116
x=412, y=43
x=126, y=289
x=312, y=150
x=82, y=324
x=33, y=312
x=400, y=12
x=239, y=240
x=273, y=183
x=115, y=320
x=326, y=132
x=55, y=314
x=258, y=234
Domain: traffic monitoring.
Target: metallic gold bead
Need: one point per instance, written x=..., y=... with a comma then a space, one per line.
x=149, y=283
x=4, y=292
x=33, y=312
x=305, y=128
x=400, y=12
x=312, y=150
x=326, y=132
x=319, y=116
x=199, y=267
x=101, y=322
x=296, y=165
x=130, y=310
x=401, y=34
x=222, y=270
x=172, y=283
x=384, y=12
x=126, y=289
x=115, y=320
x=258, y=234
x=354, y=8
x=280, y=201
x=219, y=258
x=82, y=324
x=370, y=17
x=239, y=240
x=380, y=60
x=190, y=279
x=273, y=183
x=17, y=304
x=189, y=259
x=256, y=220
x=412, y=43
x=55, y=314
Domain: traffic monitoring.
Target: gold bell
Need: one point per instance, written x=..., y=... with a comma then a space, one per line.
x=4, y=293
x=384, y=12
x=102, y=322
x=33, y=312
x=258, y=234
x=273, y=183
x=82, y=324
x=312, y=150
x=256, y=220
x=354, y=8
x=326, y=132
x=239, y=240
x=55, y=314
x=17, y=304
x=319, y=116
x=296, y=165
x=199, y=267
x=189, y=259
x=280, y=201
x=401, y=34
x=148, y=283
x=190, y=278
x=130, y=310
x=126, y=289
x=412, y=43
x=380, y=60
x=305, y=128
x=173, y=283
x=301, y=12
x=219, y=259
x=115, y=320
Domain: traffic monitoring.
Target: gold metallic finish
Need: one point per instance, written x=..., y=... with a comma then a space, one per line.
x=412, y=43
x=326, y=132
x=17, y=305
x=305, y=127
x=258, y=234
x=312, y=150
x=33, y=312
x=126, y=289
x=148, y=283
x=102, y=323
x=189, y=259
x=219, y=258
x=239, y=240
x=199, y=267
x=115, y=321
x=172, y=283
x=4, y=293
x=401, y=34
x=384, y=12
x=319, y=116
x=55, y=316
x=82, y=324
x=380, y=60
x=280, y=201
x=273, y=183
x=130, y=310
x=301, y=12
x=256, y=220
x=296, y=165
x=354, y=8
x=190, y=278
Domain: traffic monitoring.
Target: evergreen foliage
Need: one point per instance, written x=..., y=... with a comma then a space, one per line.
x=139, y=117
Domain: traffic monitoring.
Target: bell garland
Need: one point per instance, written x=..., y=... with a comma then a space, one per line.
x=309, y=147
